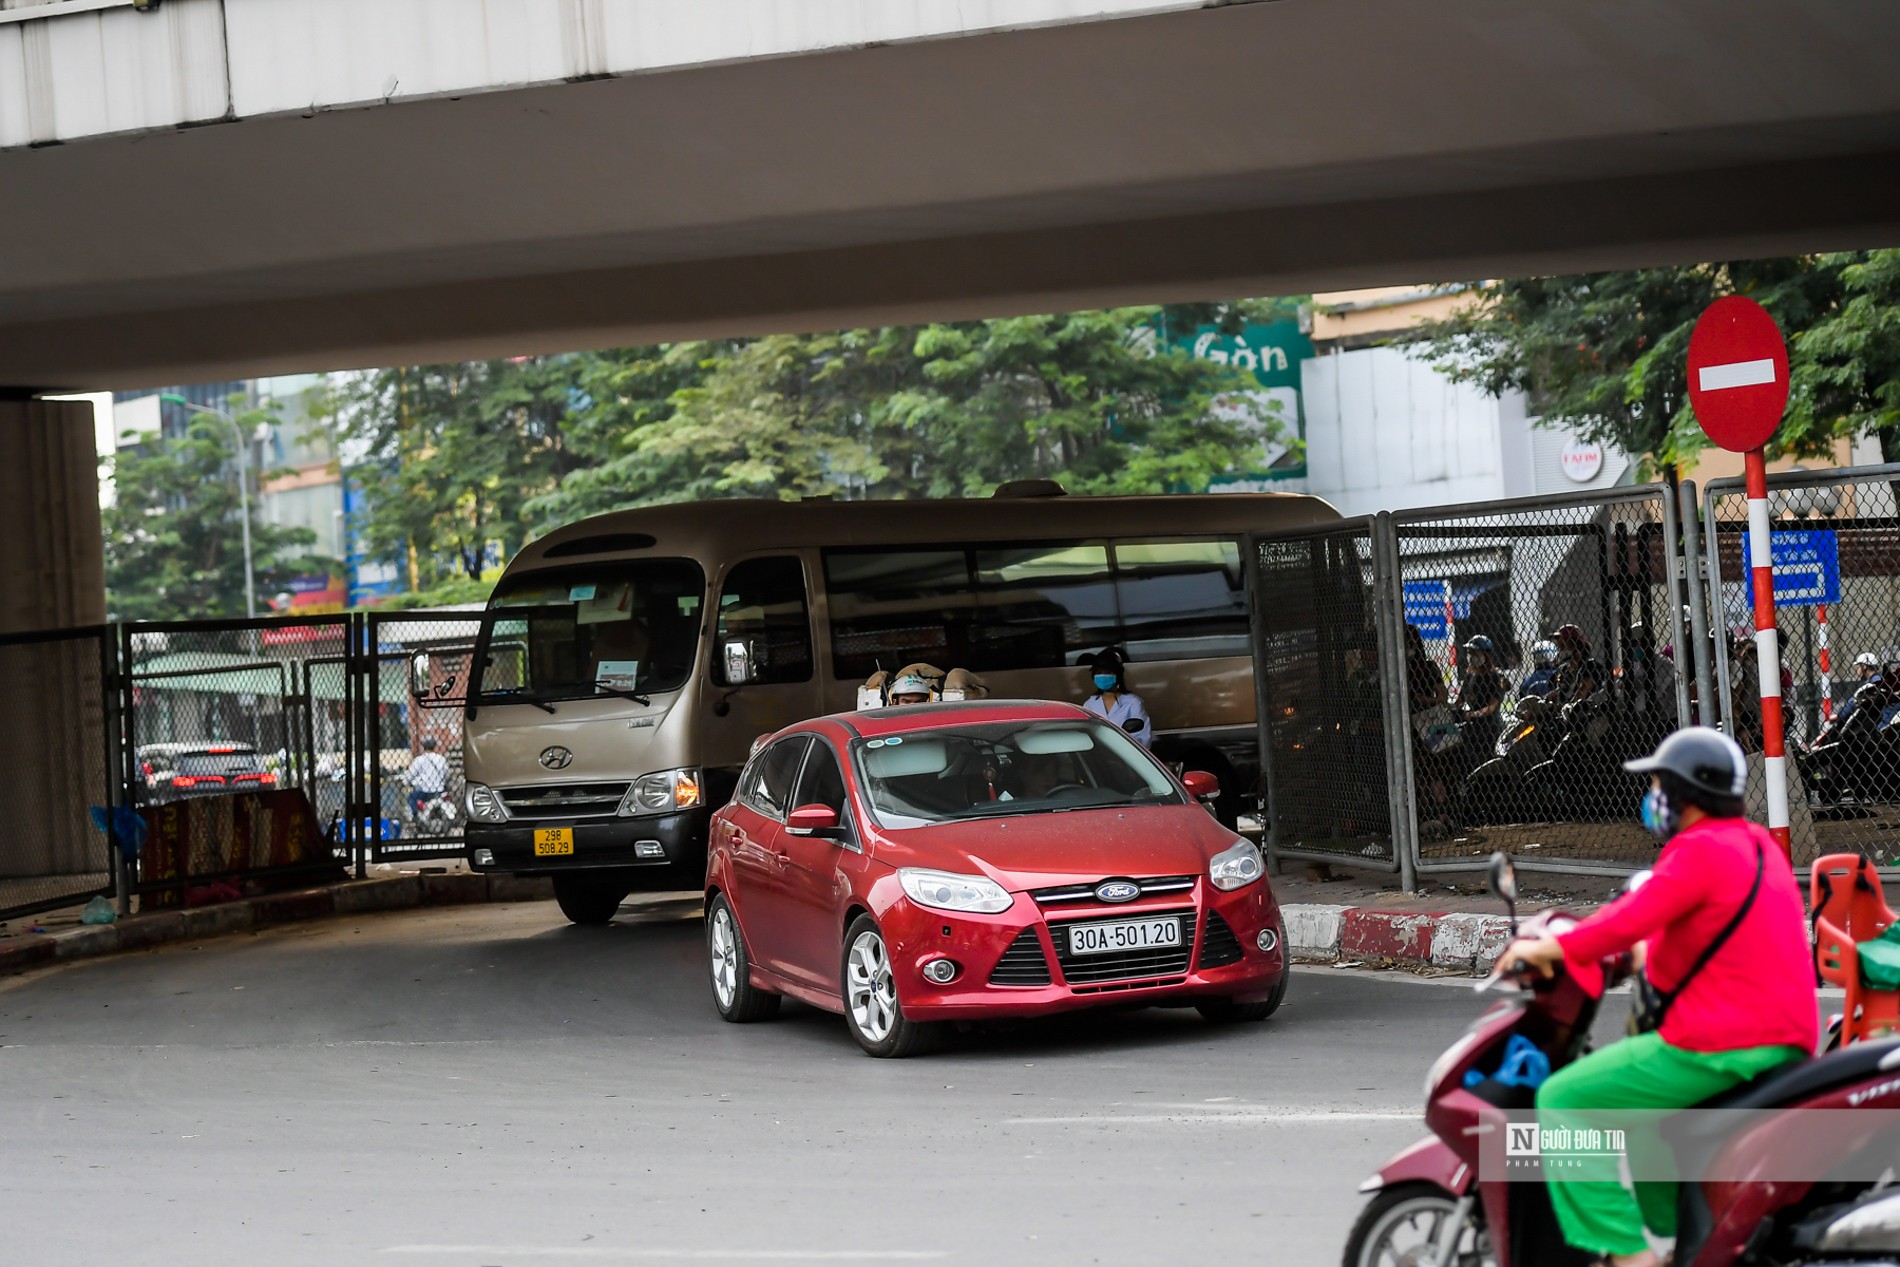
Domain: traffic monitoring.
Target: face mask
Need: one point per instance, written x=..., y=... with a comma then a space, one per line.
x=1659, y=817
x=1105, y=681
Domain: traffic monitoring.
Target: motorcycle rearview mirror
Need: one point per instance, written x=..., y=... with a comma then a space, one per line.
x=1132, y=725
x=1503, y=880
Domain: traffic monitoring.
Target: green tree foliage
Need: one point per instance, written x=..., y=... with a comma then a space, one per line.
x=461, y=455
x=452, y=454
x=1606, y=353
x=1845, y=367
x=173, y=534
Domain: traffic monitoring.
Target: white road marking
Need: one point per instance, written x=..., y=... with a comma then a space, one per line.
x=1714, y=378
x=490, y=1252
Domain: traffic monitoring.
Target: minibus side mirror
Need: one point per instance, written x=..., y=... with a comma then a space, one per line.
x=432, y=686
x=742, y=661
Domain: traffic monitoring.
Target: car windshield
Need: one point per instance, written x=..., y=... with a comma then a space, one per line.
x=602, y=629
x=1002, y=769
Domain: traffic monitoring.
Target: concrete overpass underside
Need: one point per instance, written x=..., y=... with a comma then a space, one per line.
x=646, y=191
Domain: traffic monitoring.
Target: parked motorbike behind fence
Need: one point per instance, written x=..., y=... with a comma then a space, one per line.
x=1856, y=756
x=1554, y=763
x=434, y=817
x=1433, y=1205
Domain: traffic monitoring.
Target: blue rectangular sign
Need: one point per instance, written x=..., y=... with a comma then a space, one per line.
x=1807, y=566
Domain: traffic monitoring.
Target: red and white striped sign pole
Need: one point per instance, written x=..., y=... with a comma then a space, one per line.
x=1824, y=683
x=1738, y=386
x=1767, y=649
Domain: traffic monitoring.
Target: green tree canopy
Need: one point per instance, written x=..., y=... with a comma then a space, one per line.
x=174, y=535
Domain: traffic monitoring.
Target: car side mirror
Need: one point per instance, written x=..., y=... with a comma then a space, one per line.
x=1132, y=725
x=815, y=820
x=1201, y=785
x=742, y=661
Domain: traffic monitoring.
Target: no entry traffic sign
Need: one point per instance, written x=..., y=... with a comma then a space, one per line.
x=1738, y=373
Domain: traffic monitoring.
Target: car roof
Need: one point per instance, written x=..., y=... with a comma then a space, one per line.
x=208, y=747
x=907, y=718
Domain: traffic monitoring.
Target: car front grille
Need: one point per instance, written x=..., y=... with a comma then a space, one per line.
x=1150, y=887
x=563, y=800
x=1219, y=946
x=1124, y=965
x=1023, y=963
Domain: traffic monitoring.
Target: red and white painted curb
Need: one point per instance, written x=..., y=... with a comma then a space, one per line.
x=1346, y=934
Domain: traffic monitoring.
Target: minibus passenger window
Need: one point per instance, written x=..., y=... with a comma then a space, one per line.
x=763, y=603
x=1040, y=602
x=1181, y=600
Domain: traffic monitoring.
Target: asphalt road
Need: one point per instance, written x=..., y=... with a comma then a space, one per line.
x=479, y=1086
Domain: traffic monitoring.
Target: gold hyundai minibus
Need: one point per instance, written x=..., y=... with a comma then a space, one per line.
x=627, y=663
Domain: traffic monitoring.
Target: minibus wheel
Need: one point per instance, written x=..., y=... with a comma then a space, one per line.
x=589, y=899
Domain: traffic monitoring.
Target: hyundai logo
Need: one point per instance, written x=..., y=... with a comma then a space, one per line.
x=1117, y=891
x=556, y=758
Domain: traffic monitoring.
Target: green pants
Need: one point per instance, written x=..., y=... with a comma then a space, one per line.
x=1597, y=1213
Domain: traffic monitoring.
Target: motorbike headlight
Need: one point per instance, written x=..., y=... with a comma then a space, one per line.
x=484, y=804
x=661, y=792
x=947, y=891
x=1238, y=865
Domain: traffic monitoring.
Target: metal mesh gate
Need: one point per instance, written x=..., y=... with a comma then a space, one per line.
x=1538, y=641
x=1319, y=671
x=419, y=664
x=1835, y=541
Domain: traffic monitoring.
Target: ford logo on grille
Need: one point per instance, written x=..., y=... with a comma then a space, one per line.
x=556, y=758
x=1117, y=890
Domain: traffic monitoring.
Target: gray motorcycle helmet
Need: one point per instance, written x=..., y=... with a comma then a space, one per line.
x=1699, y=766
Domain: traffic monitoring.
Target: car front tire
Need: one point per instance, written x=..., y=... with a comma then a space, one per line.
x=871, y=1009
x=734, y=995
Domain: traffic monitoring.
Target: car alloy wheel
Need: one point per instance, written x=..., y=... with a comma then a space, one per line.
x=737, y=999
x=870, y=992
x=725, y=957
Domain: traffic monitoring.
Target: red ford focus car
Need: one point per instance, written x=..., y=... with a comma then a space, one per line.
x=942, y=862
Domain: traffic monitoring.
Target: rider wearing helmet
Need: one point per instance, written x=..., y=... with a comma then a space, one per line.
x=910, y=688
x=1729, y=972
x=1579, y=676
x=1544, y=675
x=1481, y=689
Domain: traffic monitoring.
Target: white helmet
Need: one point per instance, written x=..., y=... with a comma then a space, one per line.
x=909, y=684
x=1544, y=654
x=1867, y=660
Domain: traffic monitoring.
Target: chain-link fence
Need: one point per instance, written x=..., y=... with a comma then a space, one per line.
x=213, y=708
x=1835, y=547
x=1439, y=684
x=420, y=664
x=1319, y=669
x=1539, y=644
x=56, y=769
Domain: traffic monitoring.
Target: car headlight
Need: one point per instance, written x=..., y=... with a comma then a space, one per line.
x=1239, y=864
x=947, y=891
x=661, y=792
x=484, y=804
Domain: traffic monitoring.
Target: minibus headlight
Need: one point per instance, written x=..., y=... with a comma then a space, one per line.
x=662, y=792
x=484, y=806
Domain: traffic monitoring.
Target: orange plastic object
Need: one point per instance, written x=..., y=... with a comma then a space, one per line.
x=1849, y=907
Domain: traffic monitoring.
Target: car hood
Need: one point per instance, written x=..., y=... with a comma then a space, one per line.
x=1033, y=851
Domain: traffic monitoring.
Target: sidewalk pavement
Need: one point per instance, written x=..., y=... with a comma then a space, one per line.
x=63, y=938
x=1453, y=925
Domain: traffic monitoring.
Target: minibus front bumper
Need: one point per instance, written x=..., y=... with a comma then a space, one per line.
x=675, y=841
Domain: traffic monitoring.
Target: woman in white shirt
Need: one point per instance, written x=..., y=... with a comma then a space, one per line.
x=1113, y=700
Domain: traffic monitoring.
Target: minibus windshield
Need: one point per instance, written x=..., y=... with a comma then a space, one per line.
x=592, y=630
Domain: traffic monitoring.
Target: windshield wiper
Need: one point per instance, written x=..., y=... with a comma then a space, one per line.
x=515, y=697
x=623, y=693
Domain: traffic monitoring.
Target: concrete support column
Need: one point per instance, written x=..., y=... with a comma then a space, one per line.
x=52, y=569
x=54, y=748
